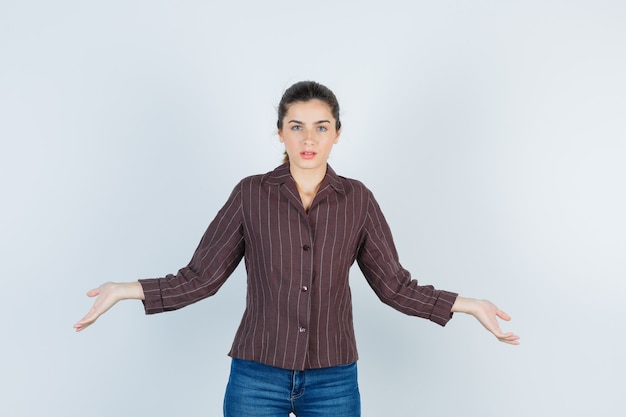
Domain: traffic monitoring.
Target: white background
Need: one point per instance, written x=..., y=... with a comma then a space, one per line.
x=491, y=132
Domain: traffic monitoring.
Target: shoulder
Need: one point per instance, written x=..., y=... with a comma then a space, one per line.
x=251, y=180
x=353, y=187
x=275, y=177
x=352, y=183
x=360, y=195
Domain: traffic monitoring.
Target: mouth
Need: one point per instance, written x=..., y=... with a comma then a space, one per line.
x=308, y=154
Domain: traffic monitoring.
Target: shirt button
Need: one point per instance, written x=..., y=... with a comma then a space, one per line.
x=305, y=288
x=306, y=247
x=302, y=329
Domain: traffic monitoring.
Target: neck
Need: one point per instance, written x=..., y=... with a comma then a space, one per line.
x=308, y=180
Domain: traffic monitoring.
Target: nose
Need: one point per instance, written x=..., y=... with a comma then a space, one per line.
x=308, y=136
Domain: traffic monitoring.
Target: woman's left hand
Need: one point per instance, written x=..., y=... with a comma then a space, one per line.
x=487, y=314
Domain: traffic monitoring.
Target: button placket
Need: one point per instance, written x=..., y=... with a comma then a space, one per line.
x=304, y=288
x=306, y=277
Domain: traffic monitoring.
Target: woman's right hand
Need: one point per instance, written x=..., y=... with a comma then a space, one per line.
x=107, y=295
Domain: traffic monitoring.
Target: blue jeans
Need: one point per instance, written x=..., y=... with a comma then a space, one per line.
x=257, y=390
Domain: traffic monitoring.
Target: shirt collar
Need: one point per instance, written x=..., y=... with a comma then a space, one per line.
x=281, y=175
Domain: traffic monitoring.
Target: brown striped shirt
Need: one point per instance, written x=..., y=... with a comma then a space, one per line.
x=298, y=308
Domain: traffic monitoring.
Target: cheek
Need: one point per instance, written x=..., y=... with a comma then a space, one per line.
x=292, y=137
x=289, y=142
x=286, y=137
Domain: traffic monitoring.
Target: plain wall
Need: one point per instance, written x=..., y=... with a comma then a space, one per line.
x=491, y=132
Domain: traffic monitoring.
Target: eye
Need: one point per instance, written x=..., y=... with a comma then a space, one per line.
x=322, y=128
x=296, y=127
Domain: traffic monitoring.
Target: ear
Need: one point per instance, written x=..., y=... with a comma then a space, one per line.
x=337, y=137
x=280, y=135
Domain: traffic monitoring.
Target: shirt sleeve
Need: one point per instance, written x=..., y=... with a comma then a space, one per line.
x=378, y=259
x=219, y=252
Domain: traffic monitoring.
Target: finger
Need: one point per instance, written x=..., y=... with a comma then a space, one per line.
x=80, y=326
x=497, y=332
x=501, y=314
x=84, y=323
x=510, y=338
x=93, y=293
x=88, y=319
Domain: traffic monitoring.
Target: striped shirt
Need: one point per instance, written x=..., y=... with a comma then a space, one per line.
x=298, y=311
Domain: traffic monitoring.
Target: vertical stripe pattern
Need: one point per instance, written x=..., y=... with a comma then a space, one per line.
x=298, y=306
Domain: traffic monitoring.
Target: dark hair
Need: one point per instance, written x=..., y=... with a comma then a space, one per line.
x=304, y=91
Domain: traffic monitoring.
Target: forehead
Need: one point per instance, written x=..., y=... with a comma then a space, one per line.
x=309, y=110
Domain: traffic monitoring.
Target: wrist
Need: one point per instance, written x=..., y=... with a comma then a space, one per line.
x=463, y=305
x=129, y=290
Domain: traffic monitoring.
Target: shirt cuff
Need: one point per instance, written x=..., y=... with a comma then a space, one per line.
x=152, y=302
x=442, y=312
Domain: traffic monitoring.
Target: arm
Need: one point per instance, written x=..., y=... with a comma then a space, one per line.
x=108, y=295
x=487, y=314
x=393, y=285
x=219, y=252
x=217, y=255
x=378, y=259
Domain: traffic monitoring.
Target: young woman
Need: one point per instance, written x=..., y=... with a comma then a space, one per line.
x=299, y=227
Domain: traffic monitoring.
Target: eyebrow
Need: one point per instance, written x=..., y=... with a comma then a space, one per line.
x=315, y=123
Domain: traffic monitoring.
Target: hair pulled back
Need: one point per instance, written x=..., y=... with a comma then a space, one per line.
x=304, y=91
